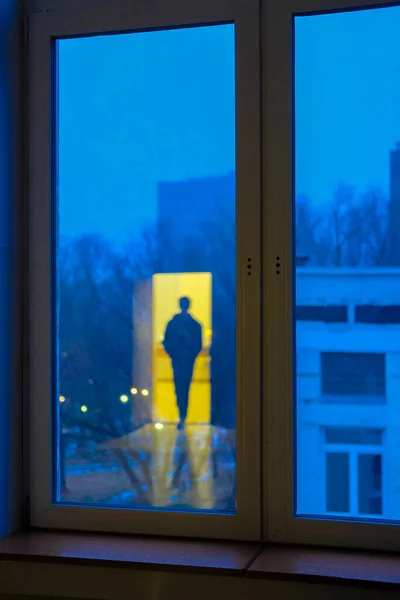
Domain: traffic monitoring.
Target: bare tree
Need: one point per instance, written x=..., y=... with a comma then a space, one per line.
x=95, y=339
x=349, y=231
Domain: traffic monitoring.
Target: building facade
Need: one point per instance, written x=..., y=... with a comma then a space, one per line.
x=348, y=391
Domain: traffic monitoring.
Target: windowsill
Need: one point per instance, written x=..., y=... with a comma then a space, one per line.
x=138, y=552
x=250, y=560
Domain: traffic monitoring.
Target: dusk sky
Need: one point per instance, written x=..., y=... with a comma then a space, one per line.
x=139, y=108
x=136, y=109
x=347, y=99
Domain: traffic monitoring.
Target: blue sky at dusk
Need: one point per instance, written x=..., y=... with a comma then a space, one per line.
x=347, y=99
x=135, y=109
x=139, y=108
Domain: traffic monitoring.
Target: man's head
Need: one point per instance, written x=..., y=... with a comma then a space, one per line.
x=184, y=303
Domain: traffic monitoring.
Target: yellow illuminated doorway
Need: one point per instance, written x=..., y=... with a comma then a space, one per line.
x=167, y=289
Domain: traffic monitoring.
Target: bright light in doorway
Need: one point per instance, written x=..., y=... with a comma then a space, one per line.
x=159, y=426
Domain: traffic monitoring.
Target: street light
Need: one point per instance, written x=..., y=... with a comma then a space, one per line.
x=134, y=391
x=159, y=426
x=124, y=398
x=84, y=408
x=145, y=392
x=62, y=399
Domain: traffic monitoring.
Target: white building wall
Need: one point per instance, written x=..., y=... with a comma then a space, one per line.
x=349, y=287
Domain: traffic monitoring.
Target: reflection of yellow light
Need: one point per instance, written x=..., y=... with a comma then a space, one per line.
x=84, y=409
x=133, y=391
x=124, y=398
x=62, y=398
x=145, y=392
x=159, y=426
x=208, y=331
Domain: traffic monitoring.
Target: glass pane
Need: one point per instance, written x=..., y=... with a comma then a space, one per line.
x=146, y=288
x=328, y=314
x=352, y=435
x=370, y=484
x=352, y=374
x=337, y=482
x=347, y=245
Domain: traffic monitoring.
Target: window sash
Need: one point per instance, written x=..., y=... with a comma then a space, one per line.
x=74, y=18
x=279, y=420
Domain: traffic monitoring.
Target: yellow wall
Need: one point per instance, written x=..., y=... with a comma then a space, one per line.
x=167, y=289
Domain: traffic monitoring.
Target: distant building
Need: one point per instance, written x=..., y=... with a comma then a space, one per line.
x=203, y=210
x=186, y=208
x=394, y=208
x=348, y=391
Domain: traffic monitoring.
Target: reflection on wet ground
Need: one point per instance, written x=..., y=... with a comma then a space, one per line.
x=157, y=466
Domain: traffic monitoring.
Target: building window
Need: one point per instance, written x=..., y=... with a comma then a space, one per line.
x=325, y=314
x=353, y=471
x=379, y=315
x=353, y=377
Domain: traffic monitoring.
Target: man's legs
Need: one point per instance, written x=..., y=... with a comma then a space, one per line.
x=183, y=374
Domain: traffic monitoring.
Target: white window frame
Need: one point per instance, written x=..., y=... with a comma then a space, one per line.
x=279, y=419
x=49, y=19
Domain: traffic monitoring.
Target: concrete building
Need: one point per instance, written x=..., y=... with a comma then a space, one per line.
x=348, y=392
x=196, y=234
x=184, y=207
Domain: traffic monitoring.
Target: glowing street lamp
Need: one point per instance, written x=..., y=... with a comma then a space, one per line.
x=159, y=426
x=134, y=391
x=62, y=399
x=145, y=392
x=84, y=408
x=124, y=398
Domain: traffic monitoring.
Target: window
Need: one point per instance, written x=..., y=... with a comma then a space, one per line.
x=146, y=294
x=353, y=376
x=344, y=225
x=379, y=315
x=327, y=314
x=148, y=315
x=214, y=192
x=332, y=178
x=353, y=472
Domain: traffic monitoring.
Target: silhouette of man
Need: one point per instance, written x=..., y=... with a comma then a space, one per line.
x=183, y=342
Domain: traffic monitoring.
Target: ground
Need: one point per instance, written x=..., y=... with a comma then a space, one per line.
x=157, y=466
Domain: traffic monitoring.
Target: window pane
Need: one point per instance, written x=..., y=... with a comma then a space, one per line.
x=347, y=244
x=352, y=435
x=146, y=270
x=328, y=314
x=378, y=314
x=352, y=374
x=337, y=482
x=370, y=484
